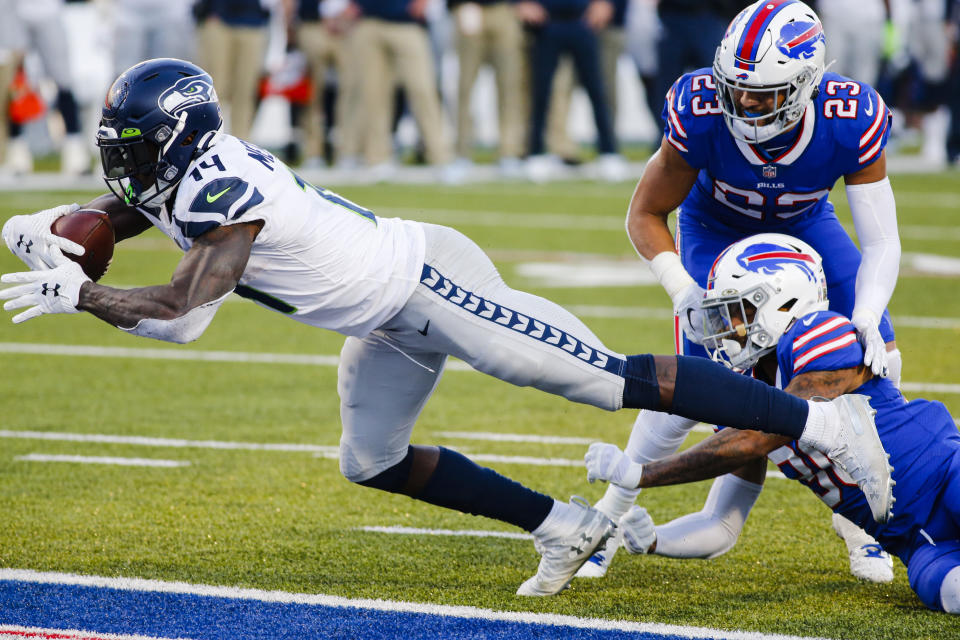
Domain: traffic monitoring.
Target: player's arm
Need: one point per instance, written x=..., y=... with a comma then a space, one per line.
x=127, y=221
x=29, y=236
x=666, y=181
x=721, y=453
x=874, y=212
x=180, y=310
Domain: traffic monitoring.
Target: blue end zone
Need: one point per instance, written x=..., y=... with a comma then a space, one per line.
x=170, y=615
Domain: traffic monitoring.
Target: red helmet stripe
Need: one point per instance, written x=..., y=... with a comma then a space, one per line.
x=806, y=257
x=758, y=22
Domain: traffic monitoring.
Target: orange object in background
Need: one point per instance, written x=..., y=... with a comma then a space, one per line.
x=26, y=103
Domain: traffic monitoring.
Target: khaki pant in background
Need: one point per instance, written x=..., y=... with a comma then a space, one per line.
x=325, y=51
x=389, y=53
x=233, y=56
x=491, y=34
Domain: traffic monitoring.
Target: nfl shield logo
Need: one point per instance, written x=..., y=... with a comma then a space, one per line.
x=769, y=171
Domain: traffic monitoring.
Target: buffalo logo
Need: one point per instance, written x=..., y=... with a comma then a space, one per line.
x=735, y=22
x=767, y=259
x=799, y=40
x=186, y=93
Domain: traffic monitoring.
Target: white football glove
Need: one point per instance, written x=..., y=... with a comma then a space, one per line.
x=606, y=462
x=48, y=291
x=637, y=529
x=874, y=347
x=692, y=317
x=30, y=239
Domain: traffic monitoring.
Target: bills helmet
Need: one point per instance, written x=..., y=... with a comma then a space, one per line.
x=772, y=46
x=759, y=286
x=157, y=117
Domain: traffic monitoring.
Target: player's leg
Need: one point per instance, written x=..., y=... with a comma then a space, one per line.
x=655, y=435
x=375, y=451
x=530, y=341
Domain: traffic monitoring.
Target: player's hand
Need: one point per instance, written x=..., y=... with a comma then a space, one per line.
x=47, y=291
x=874, y=346
x=695, y=321
x=30, y=239
x=606, y=462
x=636, y=527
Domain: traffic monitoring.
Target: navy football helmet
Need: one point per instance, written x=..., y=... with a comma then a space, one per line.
x=157, y=117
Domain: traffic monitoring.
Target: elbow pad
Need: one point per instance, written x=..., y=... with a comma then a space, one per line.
x=181, y=330
x=714, y=530
x=874, y=213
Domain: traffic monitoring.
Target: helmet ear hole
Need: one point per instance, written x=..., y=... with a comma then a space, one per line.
x=189, y=139
x=788, y=305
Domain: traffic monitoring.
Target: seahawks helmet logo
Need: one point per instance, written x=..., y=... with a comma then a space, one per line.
x=186, y=93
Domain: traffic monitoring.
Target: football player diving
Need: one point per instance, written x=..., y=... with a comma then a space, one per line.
x=752, y=145
x=406, y=294
x=769, y=292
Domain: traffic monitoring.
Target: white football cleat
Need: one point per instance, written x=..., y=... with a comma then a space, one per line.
x=854, y=446
x=868, y=560
x=562, y=555
x=597, y=565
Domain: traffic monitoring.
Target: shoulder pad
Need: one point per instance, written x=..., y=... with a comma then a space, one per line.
x=690, y=110
x=859, y=117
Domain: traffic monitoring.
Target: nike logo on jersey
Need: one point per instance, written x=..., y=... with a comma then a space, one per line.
x=216, y=196
x=426, y=328
x=808, y=321
x=869, y=109
x=680, y=99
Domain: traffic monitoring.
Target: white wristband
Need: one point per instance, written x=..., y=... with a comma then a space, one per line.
x=673, y=277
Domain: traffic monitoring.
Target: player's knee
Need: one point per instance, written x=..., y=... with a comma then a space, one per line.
x=393, y=478
x=950, y=592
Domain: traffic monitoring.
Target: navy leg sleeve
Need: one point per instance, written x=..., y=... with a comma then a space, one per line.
x=711, y=393
x=458, y=483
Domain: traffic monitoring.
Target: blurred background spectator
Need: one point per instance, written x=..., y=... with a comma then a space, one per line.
x=144, y=29
x=232, y=47
x=489, y=32
x=389, y=45
x=40, y=27
x=569, y=26
x=331, y=81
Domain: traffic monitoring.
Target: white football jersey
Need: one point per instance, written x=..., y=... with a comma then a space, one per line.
x=319, y=258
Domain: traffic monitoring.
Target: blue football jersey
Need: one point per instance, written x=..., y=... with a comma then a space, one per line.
x=743, y=185
x=920, y=436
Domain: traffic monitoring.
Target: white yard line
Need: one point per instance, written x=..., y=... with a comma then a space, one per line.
x=162, y=442
x=258, y=595
x=125, y=462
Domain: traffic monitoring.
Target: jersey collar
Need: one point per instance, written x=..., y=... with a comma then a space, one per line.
x=758, y=156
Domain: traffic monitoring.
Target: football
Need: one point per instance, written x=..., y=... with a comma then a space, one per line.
x=92, y=229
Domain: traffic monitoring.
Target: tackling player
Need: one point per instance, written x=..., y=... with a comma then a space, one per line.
x=755, y=144
x=406, y=294
x=769, y=290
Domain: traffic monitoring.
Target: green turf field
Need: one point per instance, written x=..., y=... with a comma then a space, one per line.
x=276, y=519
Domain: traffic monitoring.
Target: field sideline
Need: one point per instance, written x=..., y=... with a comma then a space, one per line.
x=126, y=461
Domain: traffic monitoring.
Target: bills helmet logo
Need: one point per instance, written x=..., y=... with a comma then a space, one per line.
x=186, y=93
x=799, y=40
x=767, y=259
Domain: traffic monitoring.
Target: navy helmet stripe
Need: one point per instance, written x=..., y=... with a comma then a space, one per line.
x=529, y=326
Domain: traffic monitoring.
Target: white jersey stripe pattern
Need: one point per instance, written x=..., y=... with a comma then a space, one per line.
x=825, y=348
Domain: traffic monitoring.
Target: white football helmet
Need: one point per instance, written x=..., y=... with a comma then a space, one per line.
x=768, y=281
x=771, y=46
